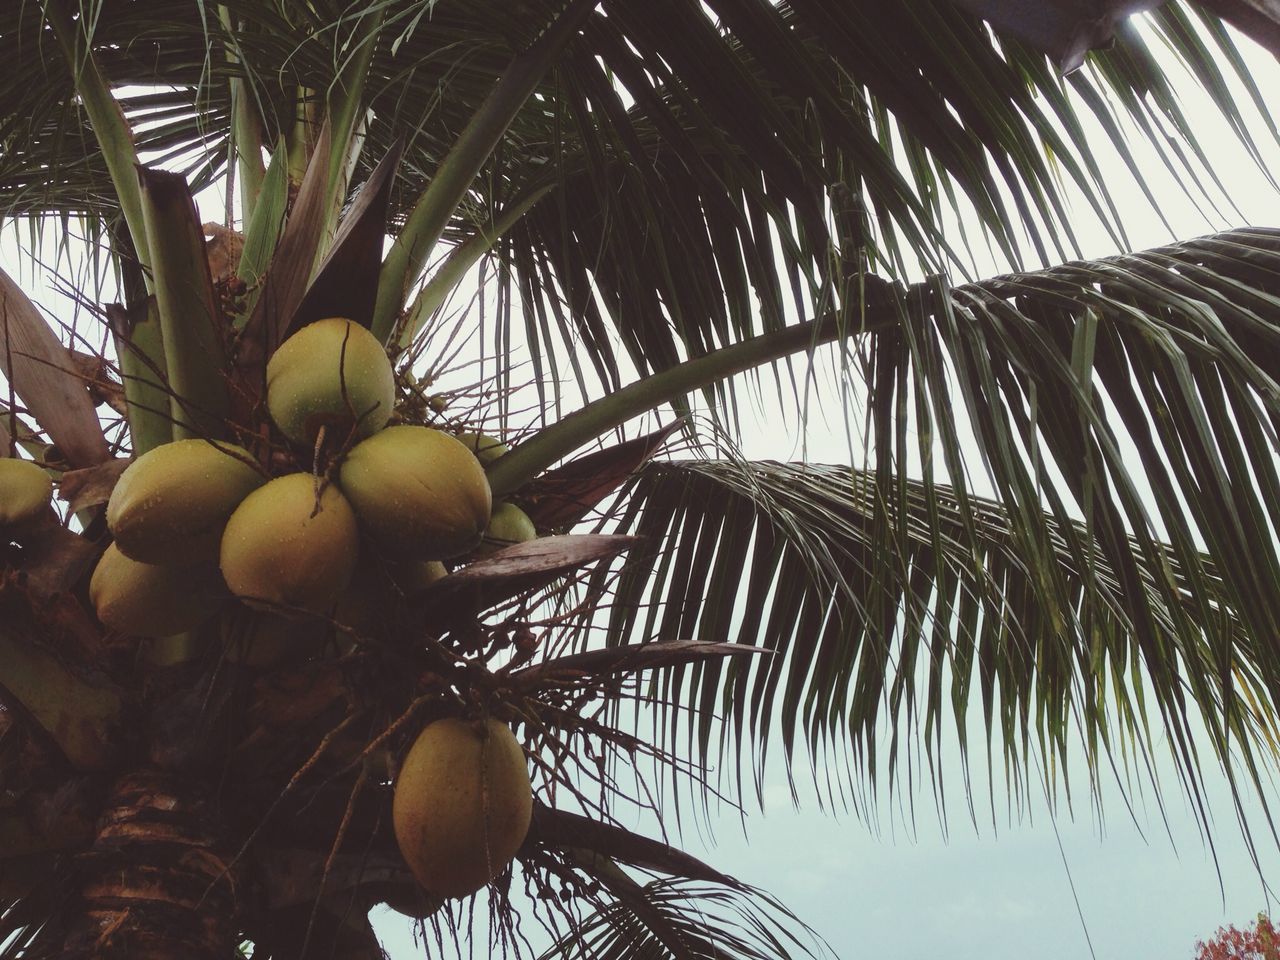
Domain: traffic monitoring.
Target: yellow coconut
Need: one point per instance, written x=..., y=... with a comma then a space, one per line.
x=419, y=493
x=153, y=600
x=462, y=805
x=509, y=524
x=332, y=373
x=288, y=546
x=486, y=448
x=171, y=504
x=25, y=492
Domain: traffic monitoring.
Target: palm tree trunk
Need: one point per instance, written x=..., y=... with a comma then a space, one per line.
x=156, y=883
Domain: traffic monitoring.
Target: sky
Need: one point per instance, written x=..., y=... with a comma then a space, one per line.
x=1069, y=884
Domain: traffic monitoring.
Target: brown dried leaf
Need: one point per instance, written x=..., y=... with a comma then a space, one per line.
x=346, y=285
x=562, y=497
x=286, y=280
x=515, y=570
x=103, y=388
x=223, y=248
x=43, y=374
x=92, y=486
x=293, y=699
x=53, y=561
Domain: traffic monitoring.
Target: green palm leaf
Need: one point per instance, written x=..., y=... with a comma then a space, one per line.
x=673, y=156
x=681, y=920
x=1091, y=592
x=891, y=610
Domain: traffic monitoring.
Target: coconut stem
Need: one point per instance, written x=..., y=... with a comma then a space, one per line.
x=508, y=473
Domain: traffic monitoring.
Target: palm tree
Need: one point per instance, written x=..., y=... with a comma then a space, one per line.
x=655, y=192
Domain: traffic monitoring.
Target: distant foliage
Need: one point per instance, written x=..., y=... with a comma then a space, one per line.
x=1258, y=942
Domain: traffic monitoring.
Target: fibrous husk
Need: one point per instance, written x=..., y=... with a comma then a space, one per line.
x=25, y=493
x=153, y=600
x=172, y=503
x=462, y=805
x=291, y=544
x=331, y=373
x=419, y=493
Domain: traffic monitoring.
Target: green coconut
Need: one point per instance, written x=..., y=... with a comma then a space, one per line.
x=171, y=504
x=462, y=805
x=287, y=547
x=508, y=525
x=333, y=374
x=486, y=448
x=413, y=577
x=419, y=493
x=153, y=600
x=25, y=492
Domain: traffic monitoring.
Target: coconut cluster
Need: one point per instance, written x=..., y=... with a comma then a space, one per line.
x=194, y=520
x=197, y=522
x=167, y=514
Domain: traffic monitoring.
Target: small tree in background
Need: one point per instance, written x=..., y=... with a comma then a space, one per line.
x=1257, y=942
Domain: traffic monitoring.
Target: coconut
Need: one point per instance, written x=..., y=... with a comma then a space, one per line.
x=25, y=492
x=509, y=524
x=171, y=504
x=415, y=576
x=419, y=493
x=152, y=600
x=287, y=546
x=333, y=374
x=486, y=448
x=462, y=805
x=410, y=900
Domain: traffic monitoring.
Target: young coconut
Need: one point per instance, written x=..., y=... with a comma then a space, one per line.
x=462, y=805
x=25, y=492
x=509, y=524
x=171, y=504
x=152, y=600
x=332, y=373
x=419, y=493
x=415, y=576
x=486, y=448
x=287, y=546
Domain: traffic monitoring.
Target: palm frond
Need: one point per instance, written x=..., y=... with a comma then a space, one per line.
x=706, y=169
x=890, y=609
x=682, y=920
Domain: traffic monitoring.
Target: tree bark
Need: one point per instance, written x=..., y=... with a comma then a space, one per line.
x=156, y=884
